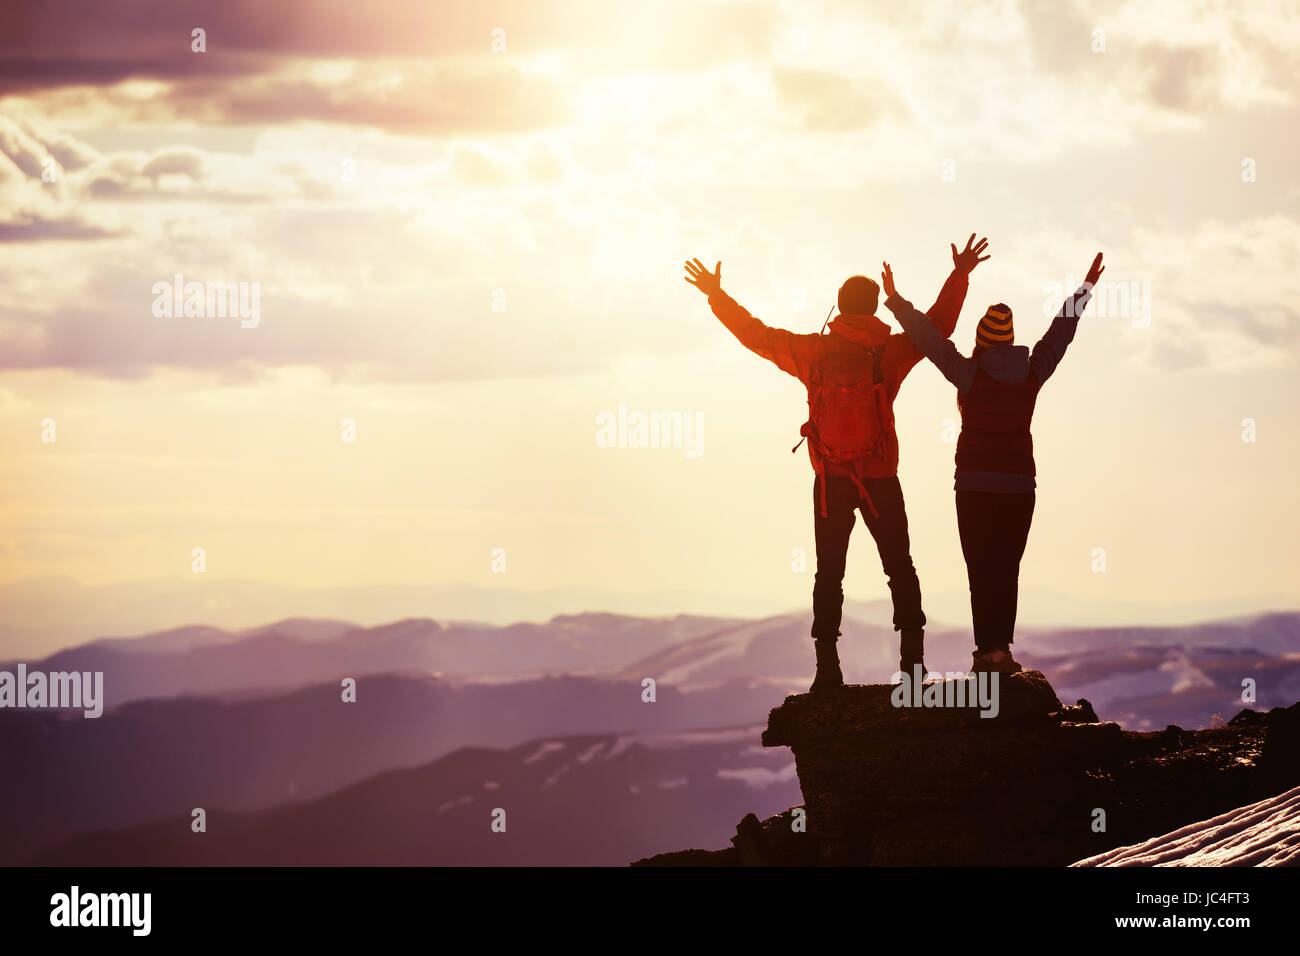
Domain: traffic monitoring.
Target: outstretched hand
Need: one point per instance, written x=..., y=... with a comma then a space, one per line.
x=704, y=280
x=970, y=257
x=1094, y=273
x=887, y=280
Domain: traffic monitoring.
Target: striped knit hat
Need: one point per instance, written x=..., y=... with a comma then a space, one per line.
x=995, y=328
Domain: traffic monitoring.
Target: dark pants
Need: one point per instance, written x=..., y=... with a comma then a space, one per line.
x=993, y=528
x=890, y=532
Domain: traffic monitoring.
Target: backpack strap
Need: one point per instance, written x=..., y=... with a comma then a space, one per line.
x=877, y=354
x=862, y=491
x=816, y=380
x=814, y=383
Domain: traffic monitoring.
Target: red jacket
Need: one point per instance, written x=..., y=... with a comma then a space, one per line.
x=800, y=354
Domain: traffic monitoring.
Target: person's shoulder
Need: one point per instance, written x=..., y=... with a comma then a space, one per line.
x=899, y=342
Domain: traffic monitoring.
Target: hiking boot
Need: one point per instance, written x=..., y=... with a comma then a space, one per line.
x=829, y=677
x=998, y=660
x=911, y=651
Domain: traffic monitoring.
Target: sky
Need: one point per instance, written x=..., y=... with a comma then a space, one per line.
x=458, y=232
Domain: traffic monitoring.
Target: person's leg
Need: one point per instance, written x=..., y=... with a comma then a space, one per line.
x=888, y=526
x=1019, y=516
x=975, y=527
x=831, y=534
x=1007, y=531
x=994, y=529
x=1002, y=567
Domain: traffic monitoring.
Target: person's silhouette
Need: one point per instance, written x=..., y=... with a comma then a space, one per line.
x=997, y=387
x=852, y=375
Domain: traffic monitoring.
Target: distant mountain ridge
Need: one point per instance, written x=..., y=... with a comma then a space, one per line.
x=1146, y=677
x=149, y=759
x=198, y=660
x=243, y=721
x=590, y=800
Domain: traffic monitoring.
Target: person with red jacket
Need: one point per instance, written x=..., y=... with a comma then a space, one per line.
x=997, y=387
x=852, y=374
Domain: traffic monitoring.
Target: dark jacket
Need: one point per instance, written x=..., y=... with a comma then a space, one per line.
x=996, y=391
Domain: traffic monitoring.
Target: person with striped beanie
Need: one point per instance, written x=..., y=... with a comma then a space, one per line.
x=995, y=328
x=997, y=388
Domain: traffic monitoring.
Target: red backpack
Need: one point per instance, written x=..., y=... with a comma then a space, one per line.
x=847, y=420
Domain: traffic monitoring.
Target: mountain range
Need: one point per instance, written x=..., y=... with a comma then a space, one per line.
x=251, y=722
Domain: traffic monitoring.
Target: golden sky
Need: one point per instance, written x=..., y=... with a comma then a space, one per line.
x=466, y=224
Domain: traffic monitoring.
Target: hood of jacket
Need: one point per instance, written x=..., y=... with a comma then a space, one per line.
x=862, y=329
x=1006, y=363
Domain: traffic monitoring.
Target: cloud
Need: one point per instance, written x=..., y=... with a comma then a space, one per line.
x=36, y=204
x=1226, y=295
x=42, y=230
x=573, y=183
x=62, y=42
x=1218, y=296
x=68, y=151
x=25, y=154
x=827, y=101
x=417, y=68
x=393, y=279
x=179, y=160
x=410, y=97
x=1208, y=58
x=428, y=69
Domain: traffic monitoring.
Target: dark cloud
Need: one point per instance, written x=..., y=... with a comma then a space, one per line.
x=42, y=230
x=178, y=160
x=87, y=42
x=490, y=95
x=476, y=99
x=105, y=186
x=21, y=74
x=450, y=81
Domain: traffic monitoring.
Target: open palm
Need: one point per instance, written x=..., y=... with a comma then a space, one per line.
x=970, y=257
x=700, y=277
x=1095, y=272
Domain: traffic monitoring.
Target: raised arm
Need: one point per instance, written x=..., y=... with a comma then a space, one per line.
x=1049, y=351
x=926, y=338
x=943, y=314
x=790, y=352
x=946, y=308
